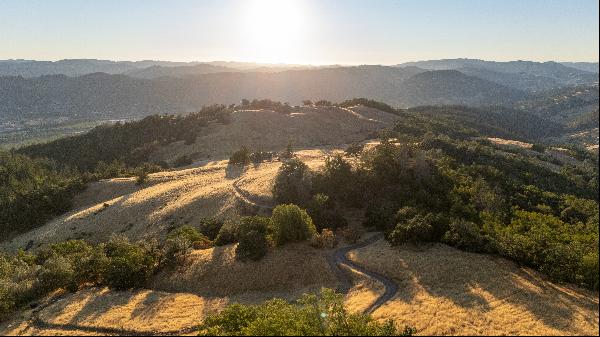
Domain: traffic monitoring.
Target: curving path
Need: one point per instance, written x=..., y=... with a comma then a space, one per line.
x=245, y=197
x=340, y=258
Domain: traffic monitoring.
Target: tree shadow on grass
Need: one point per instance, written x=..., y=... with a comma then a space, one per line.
x=481, y=282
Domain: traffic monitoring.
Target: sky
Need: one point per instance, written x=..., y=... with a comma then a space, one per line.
x=300, y=31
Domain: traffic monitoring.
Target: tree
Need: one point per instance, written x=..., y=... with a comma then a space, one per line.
x=290, y=224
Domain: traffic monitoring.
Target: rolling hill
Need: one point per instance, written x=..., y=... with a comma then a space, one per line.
x=524, y=75
x=119, y=96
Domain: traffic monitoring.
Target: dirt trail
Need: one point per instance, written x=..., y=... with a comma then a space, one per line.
x=339, y=258
x=245, y=197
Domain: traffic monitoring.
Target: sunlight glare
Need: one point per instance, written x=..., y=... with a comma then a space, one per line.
x=275, y=30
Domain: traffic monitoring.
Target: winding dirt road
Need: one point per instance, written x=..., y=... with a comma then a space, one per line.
x=340, y=258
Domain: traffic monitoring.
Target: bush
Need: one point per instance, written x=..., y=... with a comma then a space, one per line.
x=545, y=242
x=57, y=272
x=253, y=245
x=260, y=156
x=466, y=235
x=326, y=239
x=228, y=233
x=538, y=148
x=292, y=183
x=312, y=315
x=240, y=157
x=289, y=151
x=323, y=103
x=181, y=241
x=210, y=227
x=339, y=181
x=253, y=238
x=324, y=213
x=290, y=224
x=414, y=227
x=129, y=265
x=142, y=177
x=86, y=262
x=380, y=215
x=187, y=232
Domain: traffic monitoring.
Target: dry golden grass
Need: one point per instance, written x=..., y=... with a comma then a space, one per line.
x=271, y=131
x=141, y=310
x=285, y=272
x=167, y=200
x=501, y=141
x=149, y=211
x=444, y=291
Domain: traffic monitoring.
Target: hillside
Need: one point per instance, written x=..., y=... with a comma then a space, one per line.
x=119, y=96
x=525, y=75
x=153, y=72
x=75, y=67
x=495, y=208
x=453, y=87
x=474, y=294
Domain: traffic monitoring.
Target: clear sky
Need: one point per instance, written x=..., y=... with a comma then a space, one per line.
x=300, y=31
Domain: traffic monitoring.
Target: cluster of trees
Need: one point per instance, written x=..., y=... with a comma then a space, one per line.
x=311, y=315
x=32, y=191
x=266, y=104
x=255, y=235
x=369, y=103
x=245, y=156
x=131, y=143
x=39, y=181
x=70, y=265
x=466, y=193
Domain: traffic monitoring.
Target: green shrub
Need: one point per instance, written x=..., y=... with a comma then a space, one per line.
x=210, y=227
x=323, y=103
x=129, y=265
x=380, y=215
x=228, y=233
x=142, y=177
x=253, y=245
x=187, y=232
x=466, y=235
x=339, y=181
x=324, y=213
x=253, y=238
x=240, y=157
x=57, y=272
x=180, y=242
x=260, y=156
x=322, y=315
x=290, y=224
x=551, y=245
x=413, y=227
x=87, y=262
x=292, y=183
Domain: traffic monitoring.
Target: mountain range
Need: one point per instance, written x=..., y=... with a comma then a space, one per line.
x=97, y=89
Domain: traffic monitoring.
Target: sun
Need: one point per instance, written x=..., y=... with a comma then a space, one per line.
x=275, y=30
